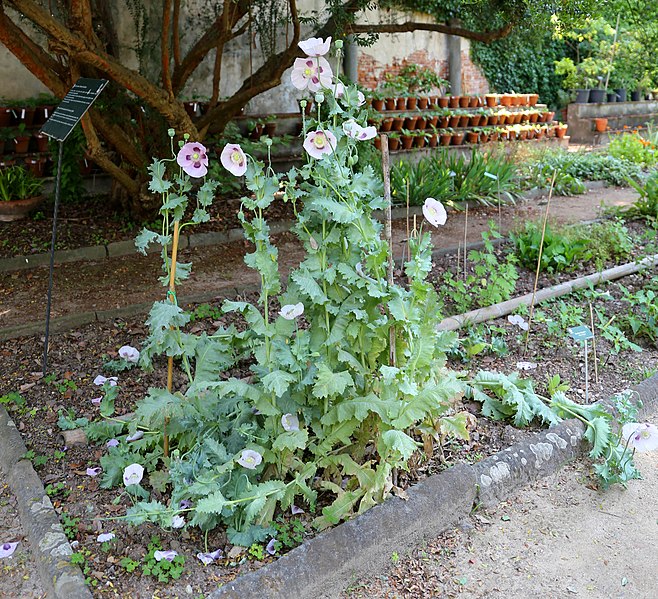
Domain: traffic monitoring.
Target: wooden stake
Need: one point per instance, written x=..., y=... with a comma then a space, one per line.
x=389, y=234
x=408, y=232
x=541, y=248
x=465, y=234
x=591, y=321
x=172, y=299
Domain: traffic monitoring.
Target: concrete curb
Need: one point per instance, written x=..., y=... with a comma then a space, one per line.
x=126, y=248
x=323, y=566
x=50, y=547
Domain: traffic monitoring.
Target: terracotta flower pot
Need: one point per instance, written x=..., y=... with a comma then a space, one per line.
x=453, y=121
x=600, y=125
x=472, y=137
x=443, y=102
x=457, y=139
x=378, y=142
x=560, y=131
x=25, y=115
x=533, y=99
x=444, y=122
x=491, y=99
x=398, y=123
x=433, y=140
x=21, y=144
x=18, y=209
x=400, y=103
x=453, y=101
x=393, y=143
x=419, y=141
x=475, y=120
x=505, y=100
x=433, y=121
x=6, y=117
x=407, y=141
x=412, y=101
x=386, y=124
x=423, y=102
x=421, y=123
x=463, y=120
x=40, y=142
x=390, y=103
x=474, y=101
x=493, y=119
x=484, y=121
x=445, y=139
x=523, y=135
x=494, y=136
x=534, y=117
x=378, y=104
x=464, y=101
x=410, y=122
x=484, y=138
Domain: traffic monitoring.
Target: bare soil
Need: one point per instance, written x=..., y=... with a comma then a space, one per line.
x=115, y=283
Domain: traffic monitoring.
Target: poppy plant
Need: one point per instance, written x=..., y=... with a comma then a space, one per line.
x=234, y=160
x=434, y=212
x=311, y=73
x=320, y=143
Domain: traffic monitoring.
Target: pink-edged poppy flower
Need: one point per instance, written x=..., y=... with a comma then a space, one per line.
x=294, y=510
x=96, y=401
x=100, y=380
x=311, y=73
x=112, y=443
x=290, y=422
x=249, y=459
x=133, y=474
x=355, y=131
x=320, y=143
x=271, y=547
x=209, y=558
x=93, y=471
x=192, y=158
x=292, y=311
x=168, y=555
x=315, y=46
x=129, y=354
x=177, y=522
x=434, y=212
x=519, y=321
x=339, y=92
x=6, y=549
x=105, y=537
x=642, y=437
x=234, y=160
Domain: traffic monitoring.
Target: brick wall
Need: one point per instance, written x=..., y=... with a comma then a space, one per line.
x=371, y=71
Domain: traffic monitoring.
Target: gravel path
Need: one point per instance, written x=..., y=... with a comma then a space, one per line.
x=19, y=578
x=559, y=538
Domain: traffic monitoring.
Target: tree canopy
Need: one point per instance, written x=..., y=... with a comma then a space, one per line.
x=61, y=40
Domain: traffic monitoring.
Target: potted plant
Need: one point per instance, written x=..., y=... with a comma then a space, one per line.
x=20, y=192
x=21, y=139
x=406, y=139
x=457, y=139
x=393, y=141
x=445, y=137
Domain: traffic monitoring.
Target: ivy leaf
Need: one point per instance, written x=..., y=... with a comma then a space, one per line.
x=328, y=383
x=277, y=382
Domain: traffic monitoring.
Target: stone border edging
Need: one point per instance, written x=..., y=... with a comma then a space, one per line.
x=126, y=248
x=323, y=566
x=50, y=547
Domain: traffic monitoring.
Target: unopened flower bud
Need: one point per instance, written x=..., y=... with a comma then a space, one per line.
x=186, y=136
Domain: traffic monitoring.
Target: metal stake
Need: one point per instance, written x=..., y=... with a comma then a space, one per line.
x=58, y=182
x=586, y=375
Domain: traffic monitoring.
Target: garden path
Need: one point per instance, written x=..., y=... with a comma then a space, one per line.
x=559, y=538
x=111, y=284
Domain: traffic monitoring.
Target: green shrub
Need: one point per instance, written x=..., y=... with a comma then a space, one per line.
x=632, y=147
x=647, y=204
x=562, y=249
x=456, y=179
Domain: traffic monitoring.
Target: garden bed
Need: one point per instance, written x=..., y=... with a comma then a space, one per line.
x=87, y=510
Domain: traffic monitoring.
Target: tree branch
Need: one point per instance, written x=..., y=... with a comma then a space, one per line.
x=176, y=33
x=266, y=77
x=40, y=63
x=164, y=47
x=478, y=36
x=213, y=36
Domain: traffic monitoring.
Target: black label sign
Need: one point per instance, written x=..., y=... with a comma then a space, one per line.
x=73, y=107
